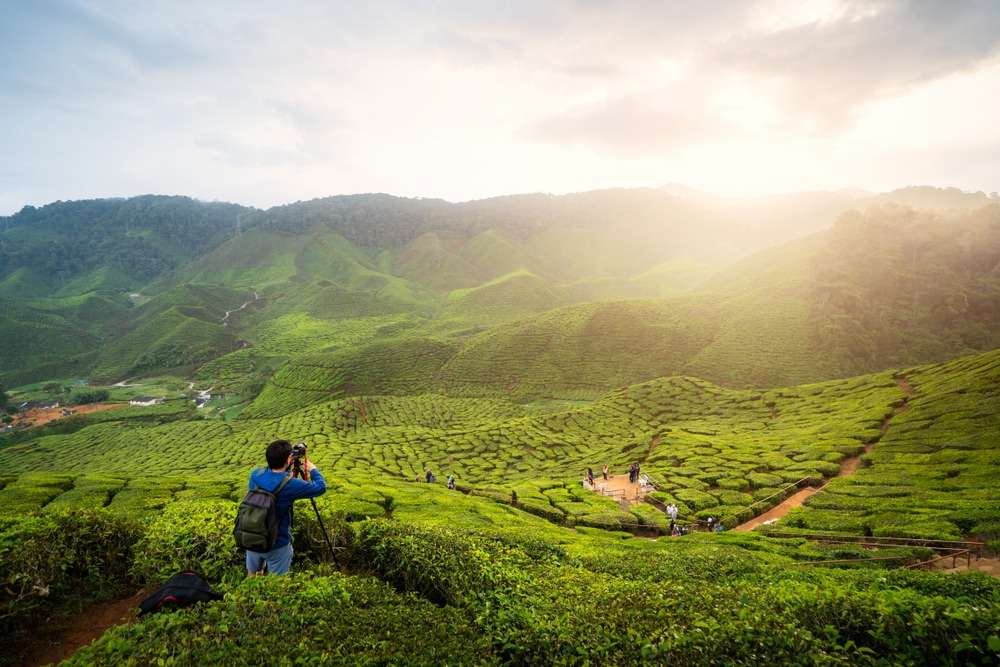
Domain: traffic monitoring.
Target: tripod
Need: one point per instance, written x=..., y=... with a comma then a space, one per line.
x=298, y=472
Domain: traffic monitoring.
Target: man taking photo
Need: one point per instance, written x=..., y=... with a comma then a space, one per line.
x=277, y=479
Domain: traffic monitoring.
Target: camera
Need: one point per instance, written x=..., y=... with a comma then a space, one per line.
x=298, y=450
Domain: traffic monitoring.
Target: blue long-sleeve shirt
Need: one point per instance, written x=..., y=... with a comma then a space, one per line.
x=296, y=489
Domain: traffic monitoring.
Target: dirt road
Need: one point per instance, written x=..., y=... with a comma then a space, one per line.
x=38, y=417
x=848, y=466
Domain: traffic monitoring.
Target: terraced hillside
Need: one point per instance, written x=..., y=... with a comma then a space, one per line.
x=713, y=451
x=527, y=562
x=935, y=470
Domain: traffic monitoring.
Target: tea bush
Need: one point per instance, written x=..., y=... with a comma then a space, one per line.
x=190, y=536
x=298, y=620
x=65, y=554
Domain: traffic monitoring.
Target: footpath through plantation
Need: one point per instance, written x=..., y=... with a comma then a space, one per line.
x=522, y=564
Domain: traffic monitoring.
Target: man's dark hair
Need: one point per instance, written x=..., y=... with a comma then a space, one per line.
x=277, y=453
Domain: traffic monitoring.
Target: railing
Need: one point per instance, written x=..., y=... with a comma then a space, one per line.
x=800, y=484
x=617, y=494
x=955, y=548
x=887, y=541
x=954, y=558
x=848, y=560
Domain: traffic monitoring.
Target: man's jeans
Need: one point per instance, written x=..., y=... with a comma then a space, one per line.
x=278, y=560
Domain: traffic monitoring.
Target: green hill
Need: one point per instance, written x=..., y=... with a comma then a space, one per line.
x=526, y=562
x=884, y=288
x=139, y=238
x=499, y=278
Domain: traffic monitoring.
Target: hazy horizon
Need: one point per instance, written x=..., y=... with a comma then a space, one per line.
x=675, y=189
x=461, y=101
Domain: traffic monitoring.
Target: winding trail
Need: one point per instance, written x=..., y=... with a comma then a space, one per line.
x=848, y=466
x=225, y=320
x=62, y=637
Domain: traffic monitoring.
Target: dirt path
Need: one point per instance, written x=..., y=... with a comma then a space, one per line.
x=61, y=638
x=989, y=565
x=225, y=320
x=848, y=466
x=778, y=511
x=38, y=417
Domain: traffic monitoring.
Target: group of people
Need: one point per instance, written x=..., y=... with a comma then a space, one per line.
x=431, y=478
x=590, y=474
x=633, y=473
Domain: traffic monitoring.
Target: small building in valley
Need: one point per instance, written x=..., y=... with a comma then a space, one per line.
x=145, y=401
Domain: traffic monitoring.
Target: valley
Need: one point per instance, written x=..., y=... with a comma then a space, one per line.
x=828, y=394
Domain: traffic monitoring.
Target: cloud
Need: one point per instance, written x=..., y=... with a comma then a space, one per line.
x=811, y=75
x=829, y=69
x=243, y=100
x=640, y=124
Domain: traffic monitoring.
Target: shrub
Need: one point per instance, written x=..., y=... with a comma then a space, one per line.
x=65, y=554
x=87, y=397
x=298, y=620
x=190, y=536
x=445, y=566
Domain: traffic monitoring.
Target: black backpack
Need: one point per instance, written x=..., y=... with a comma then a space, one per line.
x=256, y=526
x=181, y=590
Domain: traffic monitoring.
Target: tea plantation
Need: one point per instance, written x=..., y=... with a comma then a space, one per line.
x=522, y=565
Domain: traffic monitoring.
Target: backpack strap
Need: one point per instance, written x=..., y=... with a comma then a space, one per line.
x=284, y=483
x=253, y=478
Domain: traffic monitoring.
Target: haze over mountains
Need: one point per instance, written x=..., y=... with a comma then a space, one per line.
x=598, y=289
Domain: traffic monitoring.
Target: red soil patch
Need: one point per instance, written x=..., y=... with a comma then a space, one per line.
x=62, y=637
x=634, y=493
x=38, y=417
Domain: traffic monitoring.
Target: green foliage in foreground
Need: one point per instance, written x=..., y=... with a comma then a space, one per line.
x=60, y=556
x=433, y=595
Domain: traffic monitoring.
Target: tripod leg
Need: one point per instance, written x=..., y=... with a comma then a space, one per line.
x=333, y=554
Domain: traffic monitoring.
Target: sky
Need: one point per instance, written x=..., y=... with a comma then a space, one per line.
x=265, y=103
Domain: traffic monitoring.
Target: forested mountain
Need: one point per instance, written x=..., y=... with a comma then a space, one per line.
x=885, y=288
x=532, y=294
x=99, y=243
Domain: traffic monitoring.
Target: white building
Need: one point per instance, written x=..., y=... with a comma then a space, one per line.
x=145, y=401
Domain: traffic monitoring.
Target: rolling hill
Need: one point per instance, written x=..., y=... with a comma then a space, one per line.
x=522, y=288
x=514, y=349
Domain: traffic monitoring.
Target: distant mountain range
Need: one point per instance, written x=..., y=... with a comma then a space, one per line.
x=531, y=295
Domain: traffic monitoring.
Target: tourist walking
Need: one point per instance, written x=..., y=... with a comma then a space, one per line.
x=590, y=476
x=605, y=471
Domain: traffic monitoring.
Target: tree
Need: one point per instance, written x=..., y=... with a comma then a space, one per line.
x=85, y=397
x=3, y=398
x=53, y=388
